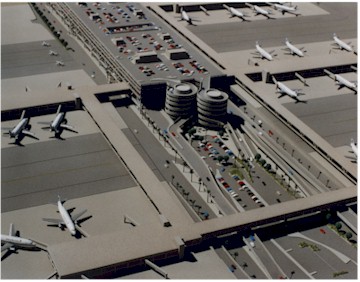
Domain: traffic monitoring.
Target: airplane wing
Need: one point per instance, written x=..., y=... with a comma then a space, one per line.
x=76, y=216
x=29, y=134
x=53, y=220
x=65, y=126
x=6, y=246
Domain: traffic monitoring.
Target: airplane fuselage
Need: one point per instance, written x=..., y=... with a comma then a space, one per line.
x=55, y=124
x=66, y=218
x=236, y=13
x=342, y=44
x=263, y=53
x=294, y=49
x=286, y=90
x=343, y=81
x=353, y=147
x=19, y=128
x=185, y=16
x=285, y=8
x=16, y=240
x=261, y=11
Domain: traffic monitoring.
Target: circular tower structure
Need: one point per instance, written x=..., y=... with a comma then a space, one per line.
x=181, y=100
x=212, y=108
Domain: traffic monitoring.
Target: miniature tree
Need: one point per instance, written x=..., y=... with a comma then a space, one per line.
x=338, y=225
x=348, y=235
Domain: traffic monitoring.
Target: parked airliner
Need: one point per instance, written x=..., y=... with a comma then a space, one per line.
x=262, y=53
x=59, y=124
x=236, y=13
x=294, y=50
x=187, y=18
x=353, y=147
x=53, y=53
x=285, y=9
x=21, y=129
x=60, y=63
x=260, y=11
x=342, y=82
x=45, y=43
x=12, y=241
x=341, y=44
x=285, y=90
x=66, y=220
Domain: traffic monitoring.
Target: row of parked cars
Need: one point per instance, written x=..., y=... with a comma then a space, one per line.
x=244, y=187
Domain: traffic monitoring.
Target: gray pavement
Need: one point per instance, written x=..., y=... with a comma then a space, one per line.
x=76, y=167
x=333, y=118
x=25, y=59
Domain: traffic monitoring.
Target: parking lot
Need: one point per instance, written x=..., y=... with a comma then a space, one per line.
x=262, y=190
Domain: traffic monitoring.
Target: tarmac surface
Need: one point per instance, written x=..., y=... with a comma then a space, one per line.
x=333, y=118
x=32, y=58
x=237, y=36
x=77, y=167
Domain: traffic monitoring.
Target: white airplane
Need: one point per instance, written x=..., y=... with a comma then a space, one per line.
x=260, y=11
x=285, y=90
x=285, y=9
x=236, y=13
x=341, y=44
x=353, y=147
x=342, y=82
x=262, y=53
x=21, y=130
x=59, y=124
x=187, y=18
x=12, y=241
x=294, y=50
x=60, y=63
x=53, y=53
x=66, y=220
x=46, y=44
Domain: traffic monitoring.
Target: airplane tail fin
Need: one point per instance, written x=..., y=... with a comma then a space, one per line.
x=12, y=230
x=352, y=141
x=334, y=35
x=59, y=109
x=226, y=7
x=274, y=79
x=22, y=114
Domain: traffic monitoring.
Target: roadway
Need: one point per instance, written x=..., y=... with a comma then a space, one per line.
x=156, y=156
x=194, y=160
x=296, y=152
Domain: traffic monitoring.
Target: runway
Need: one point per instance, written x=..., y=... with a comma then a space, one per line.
x=77, y=167
x=237, y=36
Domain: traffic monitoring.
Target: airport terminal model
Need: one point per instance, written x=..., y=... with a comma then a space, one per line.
x=190, y=140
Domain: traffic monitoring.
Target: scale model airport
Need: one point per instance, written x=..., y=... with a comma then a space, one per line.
x=179, y=140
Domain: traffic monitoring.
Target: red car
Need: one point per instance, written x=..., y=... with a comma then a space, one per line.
x=322, y=231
